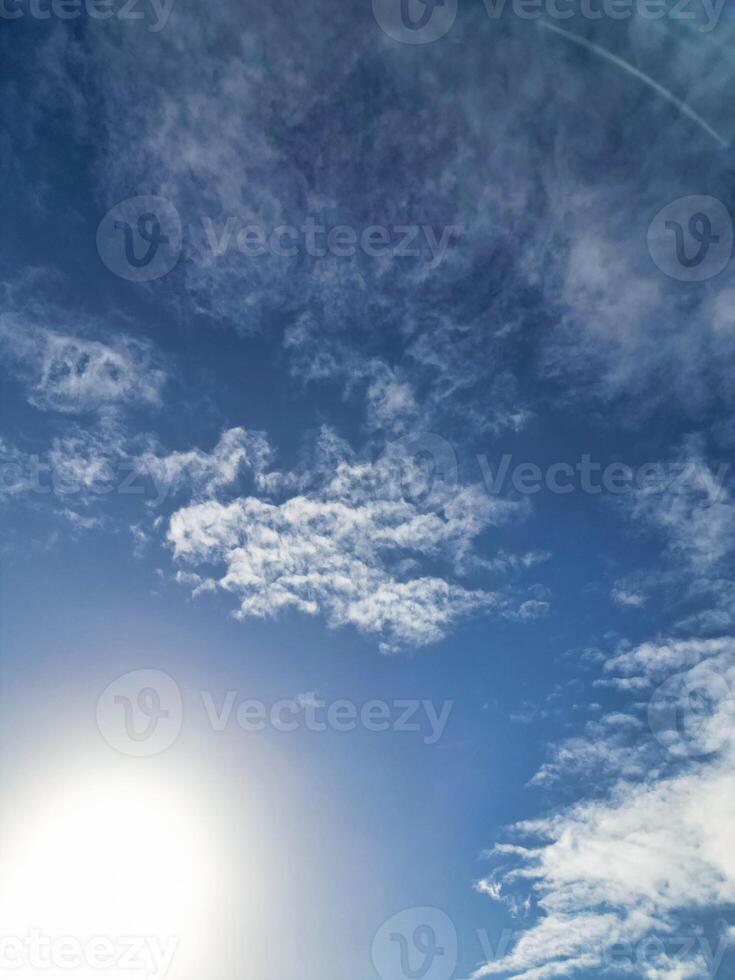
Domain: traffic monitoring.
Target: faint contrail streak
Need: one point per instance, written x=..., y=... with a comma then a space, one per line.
x=632, y=70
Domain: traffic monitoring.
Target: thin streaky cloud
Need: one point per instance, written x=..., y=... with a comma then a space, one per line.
x=637, y=73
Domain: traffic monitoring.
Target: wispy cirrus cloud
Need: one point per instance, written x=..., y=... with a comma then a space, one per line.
x=544, y=297
x=608, y=877
x=694, y=513
x=628, y=866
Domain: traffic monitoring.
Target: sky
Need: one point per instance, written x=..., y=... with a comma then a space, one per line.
x=365, y=479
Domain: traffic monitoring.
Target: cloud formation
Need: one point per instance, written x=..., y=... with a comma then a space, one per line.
x=352, y=545
x=622, y=871
x=64, y=372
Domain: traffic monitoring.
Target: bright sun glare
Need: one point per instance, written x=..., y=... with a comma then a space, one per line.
x=104, y=864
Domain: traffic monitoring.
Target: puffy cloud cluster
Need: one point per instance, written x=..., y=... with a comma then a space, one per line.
x=354, y=544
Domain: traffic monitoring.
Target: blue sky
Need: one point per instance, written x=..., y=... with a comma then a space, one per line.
x=412, y=386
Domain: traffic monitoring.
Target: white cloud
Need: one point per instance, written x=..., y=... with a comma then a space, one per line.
x=623, y=869
x=89, y=459
x=611, y=302
x=201, y=473
x=629, y=866
x=723, y=312
x=532, y=609
x=13, y=469
x=351, y=547
x=655, y=659
x=691, y=506
x=624, y=597
x=391, y=402
x=308, y=699
x=63, y=372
